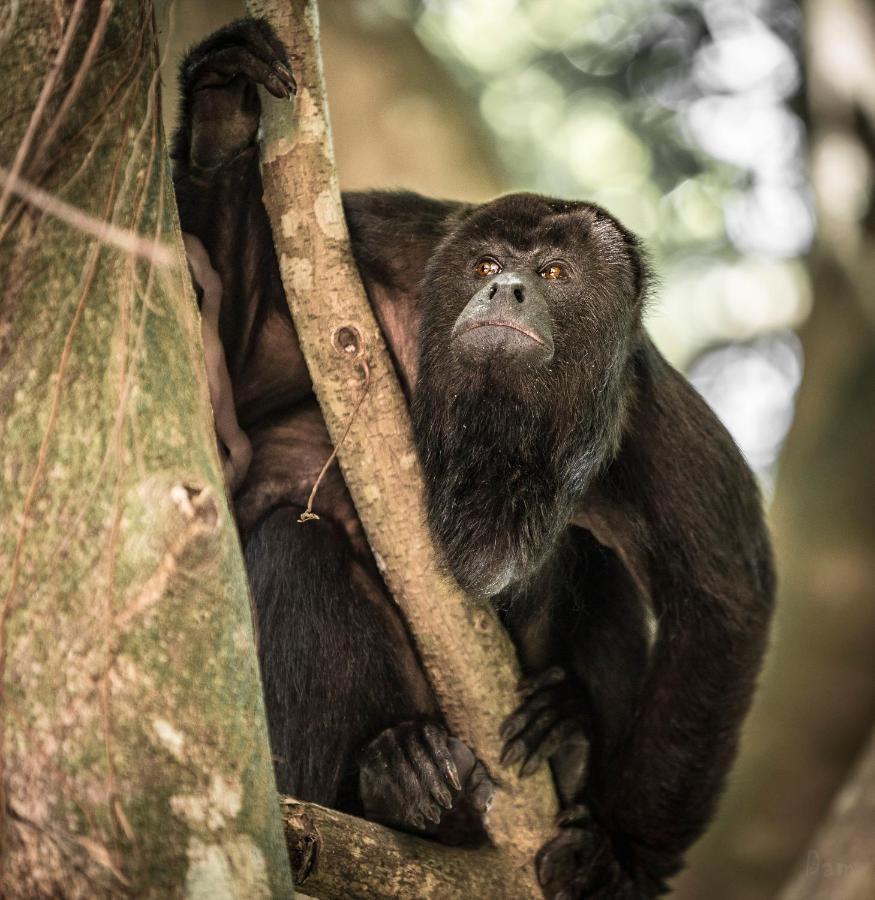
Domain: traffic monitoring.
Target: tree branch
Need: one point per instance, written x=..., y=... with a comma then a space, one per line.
x=467, y=655
x=337, y=856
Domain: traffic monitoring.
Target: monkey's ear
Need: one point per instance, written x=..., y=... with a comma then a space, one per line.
x=639, y=260
x=643, y=276
x=637, y=255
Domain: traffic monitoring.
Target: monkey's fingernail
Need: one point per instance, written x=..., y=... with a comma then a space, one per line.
x=287, y=78
x=530, y=766
x=276, y=86
x=508, y=727
x=452, y=774
x=443, y=796
x=482, y=803
x=431, y=812
x=513, y=753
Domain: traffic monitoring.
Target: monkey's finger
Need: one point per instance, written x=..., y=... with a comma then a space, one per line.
x=480, y=788
x=548, y=678
x=287, y=77
x=555, y=737
x=515, y=723
x=533, y=762
x=512, y=753
x=539, y=726
x=417, y=800
x=415, y=803
x=255, y=35
x=430, y=810
x=436, y=739
x=278, y=48
x=528, y=741
x=429, y=776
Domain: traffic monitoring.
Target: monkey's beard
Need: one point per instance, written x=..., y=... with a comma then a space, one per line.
x=504, y=469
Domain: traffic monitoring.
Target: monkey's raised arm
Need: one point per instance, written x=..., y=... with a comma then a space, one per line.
x=218, y=190
x=681, y=508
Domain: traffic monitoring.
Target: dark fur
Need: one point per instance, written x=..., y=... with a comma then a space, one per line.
x=595, y=499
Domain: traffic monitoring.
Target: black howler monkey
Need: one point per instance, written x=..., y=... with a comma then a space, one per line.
x=573, y=477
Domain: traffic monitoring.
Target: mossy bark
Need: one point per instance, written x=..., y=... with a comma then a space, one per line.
x=132, y=733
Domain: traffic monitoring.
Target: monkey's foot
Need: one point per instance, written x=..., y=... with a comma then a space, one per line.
x=550, y=716
x=413, y=773
x=580, y=863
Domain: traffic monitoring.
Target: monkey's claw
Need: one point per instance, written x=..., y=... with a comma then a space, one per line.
x=550, y=715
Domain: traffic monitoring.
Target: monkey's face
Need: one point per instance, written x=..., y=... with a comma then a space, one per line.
x=532, y=295
x=531, y=311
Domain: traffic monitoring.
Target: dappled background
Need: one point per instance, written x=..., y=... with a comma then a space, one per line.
x=736, y=137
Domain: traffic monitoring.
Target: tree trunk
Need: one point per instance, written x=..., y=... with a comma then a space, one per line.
x=133, y=741
x=467, y=656
x=840, y=865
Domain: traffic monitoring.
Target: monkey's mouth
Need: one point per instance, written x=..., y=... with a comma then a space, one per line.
x=527, y=332
x=482, y=339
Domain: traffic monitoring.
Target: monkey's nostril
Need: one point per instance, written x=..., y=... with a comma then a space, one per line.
x=492, y=291
x=518, y=293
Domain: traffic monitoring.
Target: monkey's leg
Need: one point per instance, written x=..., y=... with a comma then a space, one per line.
x=348, y=707
x=337, y=666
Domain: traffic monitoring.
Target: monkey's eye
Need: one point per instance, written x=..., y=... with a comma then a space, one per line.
x=553, y=272
x=486, y=267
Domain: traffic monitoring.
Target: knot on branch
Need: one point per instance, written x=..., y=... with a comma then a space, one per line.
x=348, y=342
x=303, y=840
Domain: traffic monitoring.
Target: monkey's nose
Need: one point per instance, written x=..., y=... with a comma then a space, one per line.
x=515, y=290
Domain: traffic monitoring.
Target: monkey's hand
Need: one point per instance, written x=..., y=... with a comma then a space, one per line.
x=220, y=105
x=582, y=862
x=551, y=716
x=412, y=774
